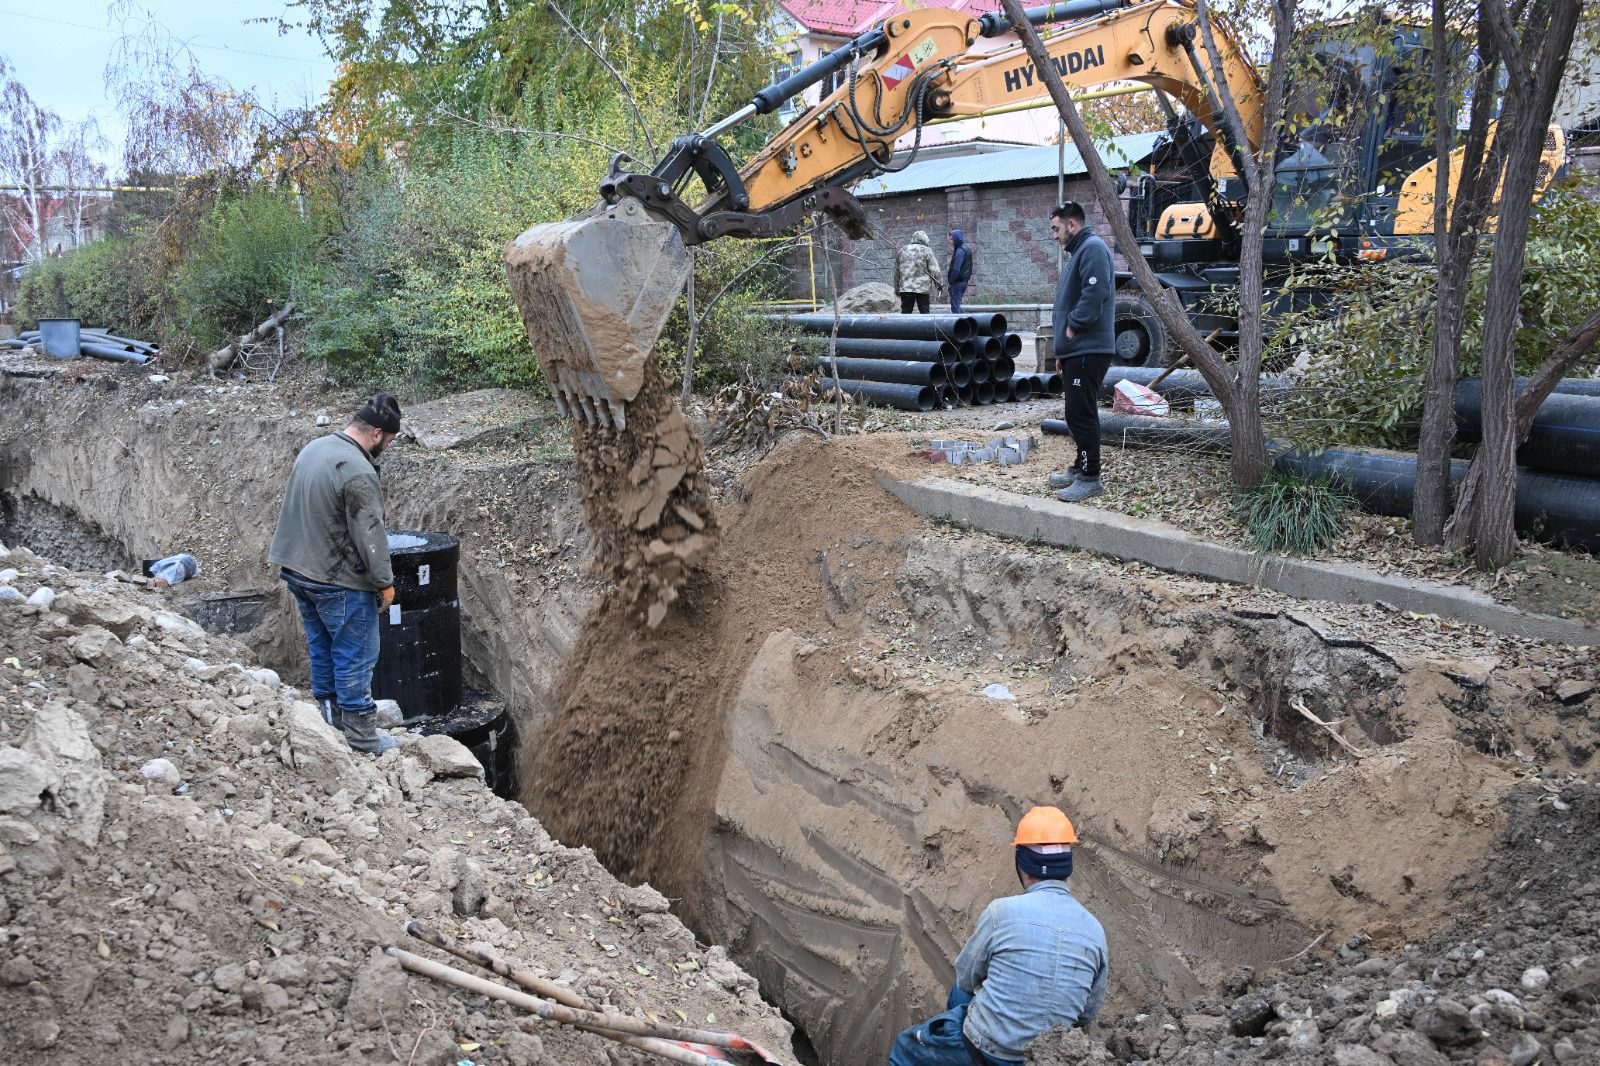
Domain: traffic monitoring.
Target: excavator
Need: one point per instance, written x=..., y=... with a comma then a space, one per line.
x=595, y=291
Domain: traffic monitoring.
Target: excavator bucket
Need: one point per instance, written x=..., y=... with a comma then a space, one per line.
x=595, y=293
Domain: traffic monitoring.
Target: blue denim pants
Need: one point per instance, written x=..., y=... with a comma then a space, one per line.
x=342, y=636
x=937, y=1041
x=958, y=292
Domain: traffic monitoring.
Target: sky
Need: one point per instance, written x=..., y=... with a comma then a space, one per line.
x=60, y=50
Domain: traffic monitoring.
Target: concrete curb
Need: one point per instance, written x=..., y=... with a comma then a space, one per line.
x=1066, y=525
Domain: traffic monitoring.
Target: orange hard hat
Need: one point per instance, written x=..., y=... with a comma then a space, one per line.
x=1045, y=825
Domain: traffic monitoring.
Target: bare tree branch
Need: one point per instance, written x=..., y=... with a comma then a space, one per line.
x=622, y=83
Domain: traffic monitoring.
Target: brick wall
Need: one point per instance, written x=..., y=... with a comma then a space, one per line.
x=1007, y=226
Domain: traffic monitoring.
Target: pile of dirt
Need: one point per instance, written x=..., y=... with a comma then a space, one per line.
x=195, y=868
x=1514, y=982
x=634, y=751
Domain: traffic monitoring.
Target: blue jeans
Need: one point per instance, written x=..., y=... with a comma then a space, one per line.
x=937, y=1041
x=342, y=637
x=958, y=292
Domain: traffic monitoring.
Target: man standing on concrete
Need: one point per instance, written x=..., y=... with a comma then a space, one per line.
x=960, y=269
x=1084, y=321
x=916, y=274
x=334, y=553
x=1036, y=960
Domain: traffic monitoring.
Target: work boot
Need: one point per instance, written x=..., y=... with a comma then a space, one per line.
x=1061, y=481
x=330, y=711
x=1081, y=489
x=361, y=732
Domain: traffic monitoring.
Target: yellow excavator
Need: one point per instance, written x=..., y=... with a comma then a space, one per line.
x=596, y=291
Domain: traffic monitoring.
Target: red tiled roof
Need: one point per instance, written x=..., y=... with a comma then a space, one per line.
x=841, y=17
x=966, y=7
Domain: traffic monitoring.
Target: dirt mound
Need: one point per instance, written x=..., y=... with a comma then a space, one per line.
x=1515, y=981
x=634, y=752
x=195, y=868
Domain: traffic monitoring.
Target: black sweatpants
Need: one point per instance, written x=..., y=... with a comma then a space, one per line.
x=913, y=301
x=1083, y=376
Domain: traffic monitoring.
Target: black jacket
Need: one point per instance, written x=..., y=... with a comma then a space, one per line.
x=960, y=260
x=1086, y=299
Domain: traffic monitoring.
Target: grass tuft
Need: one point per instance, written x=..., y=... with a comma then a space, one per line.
x=1290, y=515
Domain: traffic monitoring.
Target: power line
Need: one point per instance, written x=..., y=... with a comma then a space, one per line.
x=210, y=47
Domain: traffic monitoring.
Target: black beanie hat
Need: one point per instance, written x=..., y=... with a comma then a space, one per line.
x=382, y=412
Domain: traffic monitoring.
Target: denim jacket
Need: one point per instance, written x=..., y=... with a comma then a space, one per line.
x=1036, y=960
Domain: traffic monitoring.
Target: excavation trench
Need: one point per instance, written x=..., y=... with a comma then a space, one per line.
x=802, y=756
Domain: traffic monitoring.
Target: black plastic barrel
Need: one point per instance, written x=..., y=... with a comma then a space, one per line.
x=419, y=637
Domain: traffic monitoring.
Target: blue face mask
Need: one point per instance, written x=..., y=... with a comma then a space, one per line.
x=1044, y=867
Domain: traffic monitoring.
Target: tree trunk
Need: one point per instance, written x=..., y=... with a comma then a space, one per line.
x=221, y=359
x=1249, y=447
x=1485, y=515
x=1456, y=229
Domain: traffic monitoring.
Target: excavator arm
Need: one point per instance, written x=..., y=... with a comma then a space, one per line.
x=596, y=291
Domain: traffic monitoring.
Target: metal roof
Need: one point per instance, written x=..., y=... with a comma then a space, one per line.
x=998, y=168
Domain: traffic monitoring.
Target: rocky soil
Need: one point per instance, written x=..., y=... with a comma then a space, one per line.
x=1516, y=981
x=195, y=868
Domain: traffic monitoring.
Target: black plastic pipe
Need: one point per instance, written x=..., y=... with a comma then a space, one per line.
x=983, y=393
x=948, y=396
x=958, y=374
x=1002, y=369
x=1551, y=507
x=970, y=351
x=891, y=327
x=979, y=371
x=890, y=370
x=886, y=394
x=912, y=351
x=116, y=354
x=1008, y=345
x=1024, y=387
x=968, y=394
x=1565, y=437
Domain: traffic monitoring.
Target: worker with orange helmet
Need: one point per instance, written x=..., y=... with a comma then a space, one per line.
x=1036, y=960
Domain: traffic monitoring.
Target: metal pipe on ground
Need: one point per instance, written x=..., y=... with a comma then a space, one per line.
x=890, y=370
x=949, y=396
x=910, y=351
x=984, y=393
x=970, y=350
x=968, y=394
x=887, y=394
x=1002, y=369
x=890, y=327
x=1550, y=507
x=958, y=375
x=991, y=325
x=1024, y=387
x=980, y=371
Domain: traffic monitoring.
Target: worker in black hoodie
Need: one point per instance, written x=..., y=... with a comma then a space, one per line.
x=960, y=269
x=1085, y=339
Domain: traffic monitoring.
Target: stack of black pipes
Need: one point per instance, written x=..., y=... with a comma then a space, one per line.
x=923, y=362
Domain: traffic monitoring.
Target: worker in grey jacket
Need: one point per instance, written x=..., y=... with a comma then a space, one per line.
x=1036, y=960
x=333, y=551
x=1084, y=320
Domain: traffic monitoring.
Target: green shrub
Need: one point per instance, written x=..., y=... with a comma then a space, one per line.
x=98, y=284
x=254, y=254
x=1290, y=515
x=417, y=289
